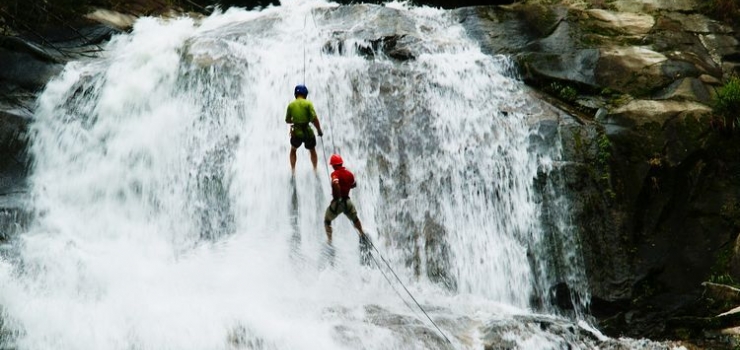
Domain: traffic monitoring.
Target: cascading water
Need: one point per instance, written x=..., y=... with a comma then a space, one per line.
x=166, y=218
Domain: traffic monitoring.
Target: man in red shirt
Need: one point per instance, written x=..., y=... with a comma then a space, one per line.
x=342, y=180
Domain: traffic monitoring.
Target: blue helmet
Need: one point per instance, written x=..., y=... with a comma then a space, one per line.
x=301, y=90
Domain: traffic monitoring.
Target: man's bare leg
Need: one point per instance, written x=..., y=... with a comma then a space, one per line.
x=327, y=227
x=292, y=158
x=358, y=226
x=314, y=158
x=364, y=245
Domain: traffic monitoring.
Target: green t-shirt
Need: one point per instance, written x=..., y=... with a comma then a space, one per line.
x=300, y=113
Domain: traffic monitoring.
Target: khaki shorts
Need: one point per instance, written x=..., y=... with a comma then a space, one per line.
x=340, y=206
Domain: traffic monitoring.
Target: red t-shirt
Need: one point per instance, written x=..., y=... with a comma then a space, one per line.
x=345, y=179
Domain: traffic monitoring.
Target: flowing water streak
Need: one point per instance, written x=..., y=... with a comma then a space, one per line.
x=448, y=136
x=164, y=201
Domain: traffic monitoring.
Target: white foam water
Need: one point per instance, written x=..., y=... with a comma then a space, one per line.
x=166, y=217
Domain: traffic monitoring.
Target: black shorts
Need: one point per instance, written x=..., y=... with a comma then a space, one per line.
x=297, y=141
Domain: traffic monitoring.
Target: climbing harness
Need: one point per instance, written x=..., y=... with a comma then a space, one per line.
x=303, y=127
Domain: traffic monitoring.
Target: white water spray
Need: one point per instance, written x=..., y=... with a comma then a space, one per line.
x=165, y=216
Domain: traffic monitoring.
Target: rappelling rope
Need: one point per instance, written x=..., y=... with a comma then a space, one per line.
x=304, y=48
x=326, y=160
x=387, y=264
x=390, y=283
x=323, y=147
x=326, y=163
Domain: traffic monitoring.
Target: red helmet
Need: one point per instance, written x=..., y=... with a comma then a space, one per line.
x=335, y=159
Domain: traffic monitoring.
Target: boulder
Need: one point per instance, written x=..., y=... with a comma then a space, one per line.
x=638, y=113
x=701, y=64
x=14, y=165
x=498, y=30
x=26, y=65
x=120, y=21
x=577, y=66
x=721, y=47
x=630, y=69
x=392, y=33
x=650, y=6
x=686, y=89
x=723, y=293
x=669, y=37
x=622, y=22
x=710, y=80
x=698, y=24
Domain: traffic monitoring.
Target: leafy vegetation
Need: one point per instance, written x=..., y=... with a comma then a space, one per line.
x=564, y=92
x=720, y=270
x=727, y=106
x=603, y=159
x=727, y=102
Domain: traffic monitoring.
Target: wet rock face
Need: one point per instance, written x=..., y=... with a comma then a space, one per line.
x=446, y=4
x=26, y=69
x=25, y=65
x=653, y=176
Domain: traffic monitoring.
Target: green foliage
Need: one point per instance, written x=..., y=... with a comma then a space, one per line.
x=720, y=269
x=569, y=94
x=722, y=279
x=727, y=102
x=563, y=92
x=605, y=150
x=599, y=164
x=607, y=92
x=730, y=211
x=603, y=158
x=727, y=106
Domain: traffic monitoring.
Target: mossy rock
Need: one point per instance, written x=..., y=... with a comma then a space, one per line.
x=541, y=19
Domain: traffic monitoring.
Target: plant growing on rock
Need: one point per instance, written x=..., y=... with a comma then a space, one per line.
x=728, y=97
x=604, y=156
x=564, y=92
x=727, y=103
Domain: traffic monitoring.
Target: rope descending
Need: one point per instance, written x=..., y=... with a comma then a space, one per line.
x=387, y=264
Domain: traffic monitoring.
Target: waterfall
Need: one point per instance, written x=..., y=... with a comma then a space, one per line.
x=166, y=218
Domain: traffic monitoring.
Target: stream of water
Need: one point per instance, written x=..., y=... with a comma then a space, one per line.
x=165, y=216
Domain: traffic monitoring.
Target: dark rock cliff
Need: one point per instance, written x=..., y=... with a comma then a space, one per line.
x=657, y=186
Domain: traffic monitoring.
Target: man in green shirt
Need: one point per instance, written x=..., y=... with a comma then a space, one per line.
x=299, y=114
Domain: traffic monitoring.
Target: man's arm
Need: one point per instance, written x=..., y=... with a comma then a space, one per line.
x=336, y=191
x=315, y=123
x=288, y=117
